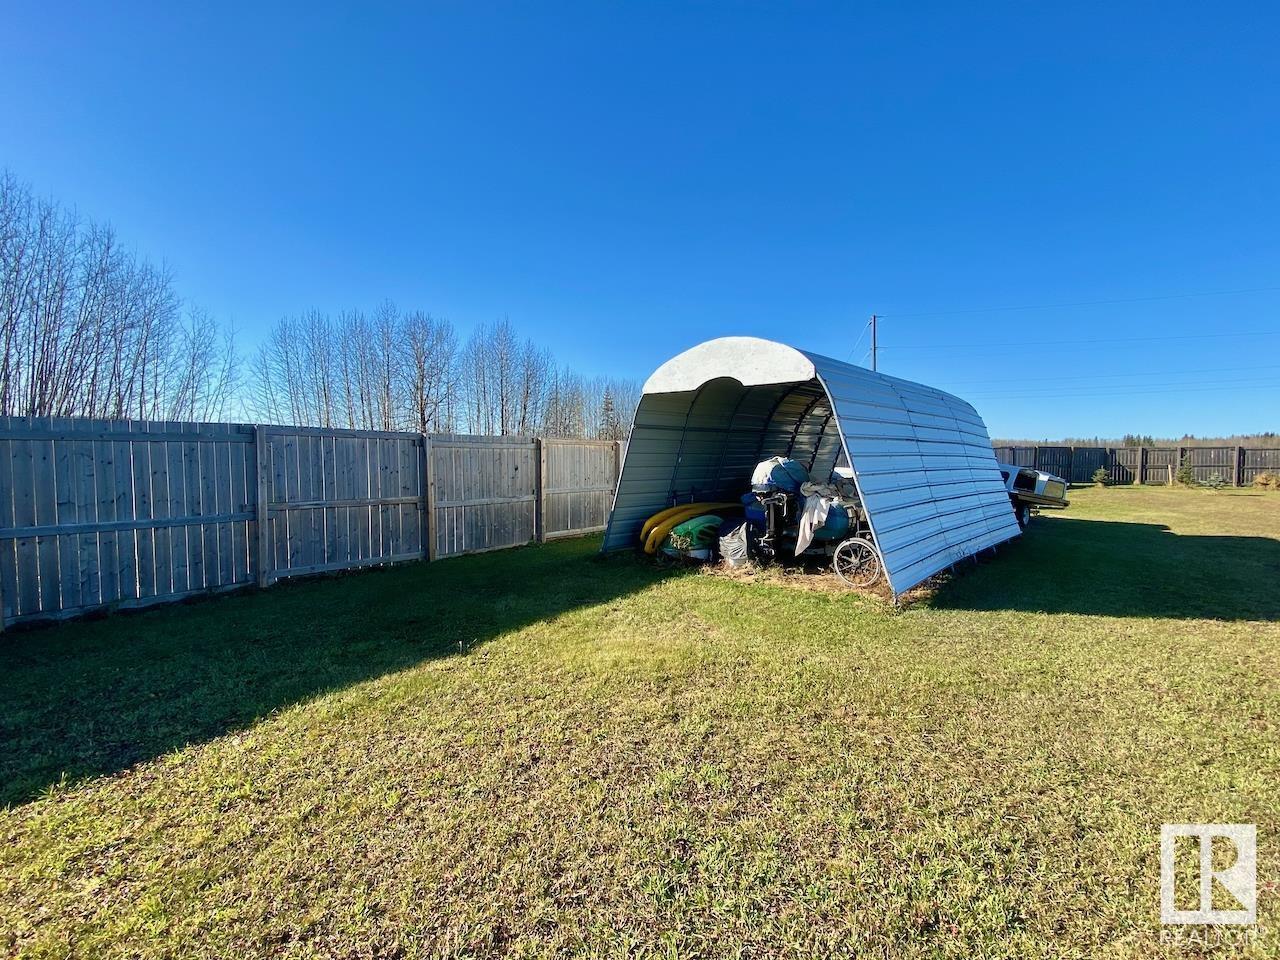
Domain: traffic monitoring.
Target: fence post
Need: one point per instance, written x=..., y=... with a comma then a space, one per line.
x=429, y=497
x=617, y=466
x=1237, y=467
x=260, y=508
x=1142, y=466
x=424, y=506
x=540, y=511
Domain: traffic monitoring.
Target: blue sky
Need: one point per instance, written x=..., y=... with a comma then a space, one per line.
x=625, y=180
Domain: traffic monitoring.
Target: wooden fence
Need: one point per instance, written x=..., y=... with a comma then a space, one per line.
x=1237, y=466
x=116, y=513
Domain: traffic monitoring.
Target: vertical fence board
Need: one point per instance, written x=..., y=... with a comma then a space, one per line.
x=328, y=477
x=24, y=509
x=162, y=537
x=8, y=548
x=221, y=482
x=67, y=512
x=84, y=467
x=179, y=537
x=195, y=495
x=208, y=466
x=276, y=494
x=144, y=537
x=344, y=547
x=363, y=491
x=317, y=554
x=105, y=509
x=46, y=512
x=259, y=479
x=239, y=503
x=127, y=541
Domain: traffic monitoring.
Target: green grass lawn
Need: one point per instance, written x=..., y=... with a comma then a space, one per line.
x=540, y=751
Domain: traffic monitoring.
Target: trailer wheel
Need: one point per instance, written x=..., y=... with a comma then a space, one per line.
x=1023, y=512
x=857, y=563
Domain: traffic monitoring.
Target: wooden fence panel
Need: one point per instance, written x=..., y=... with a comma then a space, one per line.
x=485, y=493
x=100, y=513
x=1206, y=462
x=1124, y=464
x=338, y=499
x=1056, y=460
x=1255, y=461
x=1162, y=464
x=1086, y=461
x=577, y=488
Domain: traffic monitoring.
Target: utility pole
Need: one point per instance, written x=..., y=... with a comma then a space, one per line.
x=873, y=341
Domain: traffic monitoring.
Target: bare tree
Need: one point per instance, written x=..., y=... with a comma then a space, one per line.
x=477, y=374
x=430, y=349
x=385, y=363
x=88, y=329
x=205, y=376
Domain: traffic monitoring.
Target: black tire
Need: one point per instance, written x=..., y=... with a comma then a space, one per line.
x=1023, y=513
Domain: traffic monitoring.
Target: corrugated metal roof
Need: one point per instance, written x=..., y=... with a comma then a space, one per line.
x=921, y=457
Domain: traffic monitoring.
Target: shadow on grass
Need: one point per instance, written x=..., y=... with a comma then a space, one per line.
x=95, y=697
x=1124, y=570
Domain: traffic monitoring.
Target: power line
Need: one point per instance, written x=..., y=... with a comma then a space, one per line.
x=1241, y=385
x=1084, y=303
x=858, y=341
x=1120, y=389
x=1060, y=343
x=1130, y=374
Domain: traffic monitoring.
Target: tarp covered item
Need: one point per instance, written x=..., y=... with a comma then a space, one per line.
x=780, y=473
x=921, y=458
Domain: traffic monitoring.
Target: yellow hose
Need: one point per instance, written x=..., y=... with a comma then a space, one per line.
x=659, y=532
x=663, y=514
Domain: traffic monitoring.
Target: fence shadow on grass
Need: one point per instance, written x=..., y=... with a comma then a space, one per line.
x=90, y=698
x=1102, y=568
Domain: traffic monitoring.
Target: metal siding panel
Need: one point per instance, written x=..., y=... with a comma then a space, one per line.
x=928, y=476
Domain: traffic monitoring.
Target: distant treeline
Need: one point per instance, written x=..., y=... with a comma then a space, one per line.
x=394, y=370
x=1267, y=439
x=88, y=328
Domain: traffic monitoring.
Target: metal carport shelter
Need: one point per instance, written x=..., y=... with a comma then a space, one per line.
x=921, y=458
